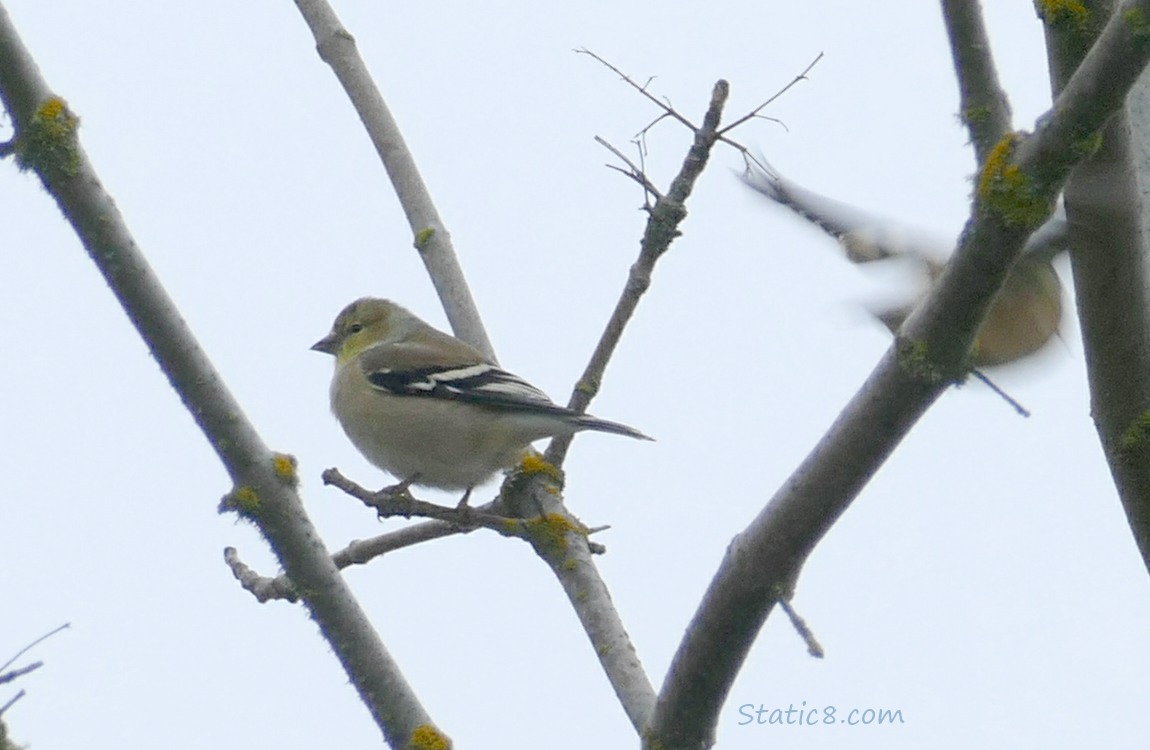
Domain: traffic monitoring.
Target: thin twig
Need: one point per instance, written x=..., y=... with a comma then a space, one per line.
x=641, y=136
x=359, y=552
x=34, y=643
x=1003, y=394
x=814, y=648
x=7, y=677
x=662, y=228
x=12, y=701
x=262, y=588
x=668, y=111
x=362, y=551
x=755, y=112
x=635, y=173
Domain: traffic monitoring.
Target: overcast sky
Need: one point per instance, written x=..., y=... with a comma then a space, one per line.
x=985, y=583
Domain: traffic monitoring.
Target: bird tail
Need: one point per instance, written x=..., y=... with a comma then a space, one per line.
x=587, y=422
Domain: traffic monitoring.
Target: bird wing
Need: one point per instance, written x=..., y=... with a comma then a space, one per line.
x=414, y=369
x=864, y=237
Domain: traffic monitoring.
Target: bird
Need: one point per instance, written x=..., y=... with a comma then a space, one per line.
x=432, y=410
x=1025, y=315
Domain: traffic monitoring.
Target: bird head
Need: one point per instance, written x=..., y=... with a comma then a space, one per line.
x=362, y=324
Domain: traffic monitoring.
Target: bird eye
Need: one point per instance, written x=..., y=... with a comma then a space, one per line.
x=355, y=328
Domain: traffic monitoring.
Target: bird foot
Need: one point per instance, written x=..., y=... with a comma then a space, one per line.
x=398, y=491
x=393, y=500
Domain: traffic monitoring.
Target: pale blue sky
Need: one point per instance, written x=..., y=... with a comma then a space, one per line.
x=985, y=583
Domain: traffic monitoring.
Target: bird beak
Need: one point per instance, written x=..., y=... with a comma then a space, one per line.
x=327, y=344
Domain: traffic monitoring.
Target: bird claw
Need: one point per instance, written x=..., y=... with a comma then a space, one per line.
x=393, y=500
x=395, y=492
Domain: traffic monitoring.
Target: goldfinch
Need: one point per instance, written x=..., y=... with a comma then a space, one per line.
x=1023, y=318
x=429, y=408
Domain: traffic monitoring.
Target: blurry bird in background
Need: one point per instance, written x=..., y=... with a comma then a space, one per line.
x=1025, y=315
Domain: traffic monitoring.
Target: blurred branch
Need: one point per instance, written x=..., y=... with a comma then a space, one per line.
x=1015, y=195
x=265, y=490
x=7, y=705
x=14, y=674
x=984, y=107
x=1106, y=207
x=1027, y=309
x=336, y=47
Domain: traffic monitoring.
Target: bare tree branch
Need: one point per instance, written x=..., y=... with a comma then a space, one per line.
x=985, y=108
x=561, y=541
x=1015, y=195
x=362, y=551
x=757, y=110
x=668, y=110
x=337, y=48
x=1109, y=255
x=265, y=490
x=662, y=228
x=387, y=503
x=571, y=561
x=633, y=171
x=262, y=588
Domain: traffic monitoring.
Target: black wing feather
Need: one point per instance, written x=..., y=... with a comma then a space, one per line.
x=479, y=384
